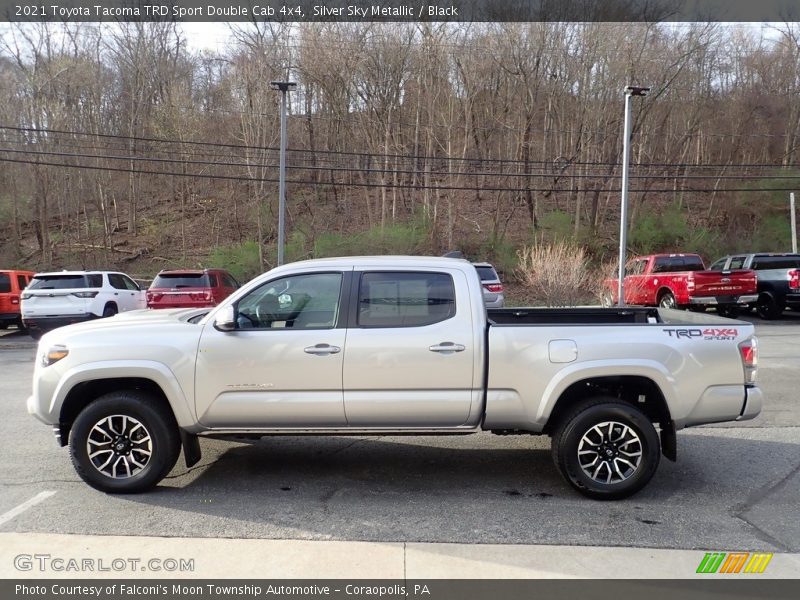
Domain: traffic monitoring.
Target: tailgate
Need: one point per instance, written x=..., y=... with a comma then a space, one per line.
x=53, y=303
x=724, y=283
x=178, y=298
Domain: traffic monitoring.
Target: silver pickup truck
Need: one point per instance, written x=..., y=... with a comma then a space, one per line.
x=390, y=345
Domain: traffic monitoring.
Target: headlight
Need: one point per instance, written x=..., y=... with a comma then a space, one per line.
x=53, y=355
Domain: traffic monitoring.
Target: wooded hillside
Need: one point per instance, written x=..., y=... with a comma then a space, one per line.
x=120, y=145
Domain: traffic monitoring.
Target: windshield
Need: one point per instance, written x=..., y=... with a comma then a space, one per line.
x=180, y=280
x=66, y=282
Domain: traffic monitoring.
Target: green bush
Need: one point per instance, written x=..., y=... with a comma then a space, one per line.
x=240, y=259
x=401, y=238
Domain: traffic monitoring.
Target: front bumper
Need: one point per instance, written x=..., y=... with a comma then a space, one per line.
x=724, y=299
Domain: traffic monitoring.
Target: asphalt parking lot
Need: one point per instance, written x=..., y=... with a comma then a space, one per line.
x=735, y=486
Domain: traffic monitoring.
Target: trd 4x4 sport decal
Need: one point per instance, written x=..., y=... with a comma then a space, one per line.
x=705, y=334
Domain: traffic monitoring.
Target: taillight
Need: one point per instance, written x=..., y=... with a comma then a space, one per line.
x=85, y=294
x=690, y=282
x=25, y=296
x=794, y=279
x=494, y=288
x=749, y=352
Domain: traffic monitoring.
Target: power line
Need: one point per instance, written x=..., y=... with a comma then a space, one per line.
x=469, y=161
x=391, y=185
x=390, y=171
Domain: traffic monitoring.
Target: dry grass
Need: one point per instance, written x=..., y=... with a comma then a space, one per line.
x=558, y=274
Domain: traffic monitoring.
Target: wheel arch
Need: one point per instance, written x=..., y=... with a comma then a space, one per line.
x=640, y=391
x=81, y=386
x=663, y=291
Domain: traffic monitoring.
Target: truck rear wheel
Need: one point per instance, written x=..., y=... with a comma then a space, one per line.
x=606, y=449
x=124, y=442
x=767, y=307
x=667, y=300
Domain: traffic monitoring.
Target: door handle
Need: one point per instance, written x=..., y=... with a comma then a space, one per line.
x=322, y=349
x=447, y=347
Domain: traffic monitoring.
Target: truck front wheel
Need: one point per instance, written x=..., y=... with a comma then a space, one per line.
x=124, y=442
x=606, y=449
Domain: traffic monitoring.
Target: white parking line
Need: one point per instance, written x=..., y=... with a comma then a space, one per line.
x=18, y=510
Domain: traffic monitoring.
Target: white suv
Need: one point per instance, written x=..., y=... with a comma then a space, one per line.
x=55, y=299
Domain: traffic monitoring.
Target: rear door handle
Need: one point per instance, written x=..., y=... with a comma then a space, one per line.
x=322, y=349
x=447, y=347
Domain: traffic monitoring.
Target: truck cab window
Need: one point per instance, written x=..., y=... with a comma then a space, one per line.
x=405, y=299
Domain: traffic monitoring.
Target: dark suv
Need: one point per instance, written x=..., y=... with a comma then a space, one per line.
x=190, y=288
x=778, y=280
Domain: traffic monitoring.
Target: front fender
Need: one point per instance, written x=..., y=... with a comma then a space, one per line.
x=155, y=371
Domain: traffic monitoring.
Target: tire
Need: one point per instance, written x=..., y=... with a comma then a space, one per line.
x=3, y=325
x=767, y=307
x=731, y=311
x=110, y=310
x=587, y=427
x=667, y=300
x=139, y=423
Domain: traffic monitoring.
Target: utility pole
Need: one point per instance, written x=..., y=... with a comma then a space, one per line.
x=629, y=91
x=284, y=87
x=794, y=223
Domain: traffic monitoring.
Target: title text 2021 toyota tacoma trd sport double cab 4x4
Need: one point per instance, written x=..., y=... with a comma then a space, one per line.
x=390, y=345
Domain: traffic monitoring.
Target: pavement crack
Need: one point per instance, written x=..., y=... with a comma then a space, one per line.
x=38, y=481
x=759, y=496
x=189, y=470
x=351, y=444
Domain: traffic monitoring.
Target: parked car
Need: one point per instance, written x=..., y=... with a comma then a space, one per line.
x=778, y=280
x=682, y=281
x=383, y=346
x=63, y=297
x=493, y=295
x=190, y=288
x=11, y=285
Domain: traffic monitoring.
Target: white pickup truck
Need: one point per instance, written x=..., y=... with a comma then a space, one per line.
x=390, y=345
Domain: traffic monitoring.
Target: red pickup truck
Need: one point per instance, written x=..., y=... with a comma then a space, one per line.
x=682, y=281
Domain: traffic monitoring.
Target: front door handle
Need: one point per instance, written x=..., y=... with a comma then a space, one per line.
x=447, y=347
x=322, y=349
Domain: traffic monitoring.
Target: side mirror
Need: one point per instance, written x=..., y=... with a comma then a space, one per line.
x=226, y=319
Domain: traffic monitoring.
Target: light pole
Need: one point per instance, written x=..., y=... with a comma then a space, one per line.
x=630, y=91
x=284, y=87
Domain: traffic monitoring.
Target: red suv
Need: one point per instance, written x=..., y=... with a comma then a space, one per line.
x=11, y=285
x=190, y=288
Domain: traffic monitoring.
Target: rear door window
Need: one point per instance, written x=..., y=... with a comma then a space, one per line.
x=737, y=262
x=405, y=299
x=116, y=281
x=22, y=281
